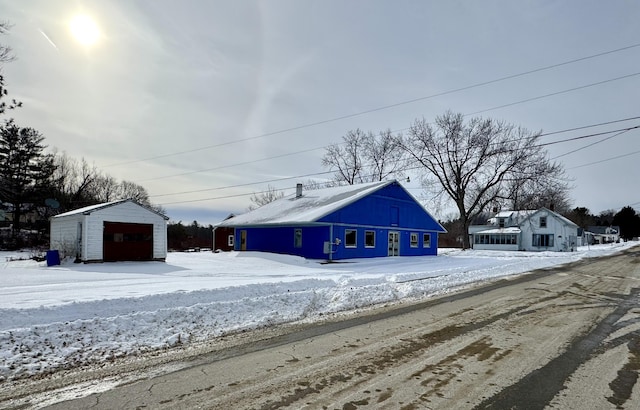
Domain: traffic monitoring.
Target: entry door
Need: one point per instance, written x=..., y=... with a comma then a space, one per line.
x=394, y=244
x=243, y=240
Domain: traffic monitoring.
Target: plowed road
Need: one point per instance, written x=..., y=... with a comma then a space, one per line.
x=564, y=338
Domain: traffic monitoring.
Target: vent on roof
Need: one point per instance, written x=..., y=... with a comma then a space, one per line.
x=298, y=190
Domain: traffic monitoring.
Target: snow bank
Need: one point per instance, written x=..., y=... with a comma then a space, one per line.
x=68, y=315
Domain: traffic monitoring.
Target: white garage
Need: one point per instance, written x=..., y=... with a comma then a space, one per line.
x=115, y=231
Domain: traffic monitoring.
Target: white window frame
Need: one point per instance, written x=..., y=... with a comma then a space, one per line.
x=230, y=240
x=355, y=238
x=537, y=241
x=413, y=239
x=366, y=233
x=543, y=222
x=426, y=240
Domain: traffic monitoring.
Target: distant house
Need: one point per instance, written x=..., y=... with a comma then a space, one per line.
x=530, y=230
x=603, y=234
x=223, y=237
x=355, y=221
x=115, y=231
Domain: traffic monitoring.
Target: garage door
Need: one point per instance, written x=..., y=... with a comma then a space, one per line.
x=127, y=242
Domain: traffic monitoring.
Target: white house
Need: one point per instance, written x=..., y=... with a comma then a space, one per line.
x=115, y=231
x=604, y=234
x=534, y=230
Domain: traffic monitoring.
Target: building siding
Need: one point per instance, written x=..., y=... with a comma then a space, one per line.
x=389, y=209
x=65, y=229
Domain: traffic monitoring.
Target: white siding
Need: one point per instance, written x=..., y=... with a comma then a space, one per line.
x=64, y=235
x=563, y=233
x=66, y=227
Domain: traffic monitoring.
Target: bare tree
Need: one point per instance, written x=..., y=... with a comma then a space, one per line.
x=6, y=53
x=346, y=158
x=471, y=162
x=74, y=181
x=364, y=157
x=383, y=156
x=131, y=190
x=262, y=198
x=537, y=183
x=105, y=188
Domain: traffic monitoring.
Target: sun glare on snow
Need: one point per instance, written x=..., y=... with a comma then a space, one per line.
x=84, y=29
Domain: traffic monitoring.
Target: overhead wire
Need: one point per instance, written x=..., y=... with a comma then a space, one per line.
x=410, y=101
x=326, y=146
x=576, y=138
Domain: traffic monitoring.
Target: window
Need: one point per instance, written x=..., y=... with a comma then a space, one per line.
x=350, y=238
x=543, y=222
x=501, y=222
x=426, y=240
x=369, y=239
x=297, y=238
x=414, y=240
x=230, y=240
x=495, y=239
x=543, y=241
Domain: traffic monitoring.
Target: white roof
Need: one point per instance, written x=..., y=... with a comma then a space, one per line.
x=88, y=209
x=500, y=230
x=312, y=206
x=92, y=208
x=517, y=216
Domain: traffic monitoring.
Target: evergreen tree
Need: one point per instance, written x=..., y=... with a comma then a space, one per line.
x=25, y=170
x=629, y=222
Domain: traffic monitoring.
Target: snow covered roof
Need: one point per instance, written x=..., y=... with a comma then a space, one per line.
x=87, y=210
x=516, y=216
x=312, y=206
x=500, y=230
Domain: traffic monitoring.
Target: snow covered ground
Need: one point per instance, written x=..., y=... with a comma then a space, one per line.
x=72, y=314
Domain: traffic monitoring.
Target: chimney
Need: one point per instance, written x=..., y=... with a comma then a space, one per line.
x=298, y=190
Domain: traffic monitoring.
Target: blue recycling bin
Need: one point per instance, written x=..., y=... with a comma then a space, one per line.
x=53, y=258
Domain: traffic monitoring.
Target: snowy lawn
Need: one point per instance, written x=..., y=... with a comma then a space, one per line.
x=73, y=314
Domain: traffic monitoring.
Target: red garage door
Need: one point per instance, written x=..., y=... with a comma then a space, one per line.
x=127, y=242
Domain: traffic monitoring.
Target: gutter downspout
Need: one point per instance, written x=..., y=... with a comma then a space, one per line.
x=213, y=247
x=330, y=242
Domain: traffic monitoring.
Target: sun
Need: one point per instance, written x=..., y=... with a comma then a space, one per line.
x=84, y=29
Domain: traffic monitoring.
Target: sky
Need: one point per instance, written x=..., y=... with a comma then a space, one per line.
x=205, y=103
x=90, y=313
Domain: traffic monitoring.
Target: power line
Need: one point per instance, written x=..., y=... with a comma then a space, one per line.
x=329, y=172
x=606, y=160
x=556, y=93
x=326, y=146
x=452, y=91
x=233, y=165
x=590, y=145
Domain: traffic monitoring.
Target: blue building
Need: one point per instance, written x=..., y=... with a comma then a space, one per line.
x=354, y=221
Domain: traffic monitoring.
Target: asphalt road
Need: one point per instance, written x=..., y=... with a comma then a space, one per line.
x=563, y=338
